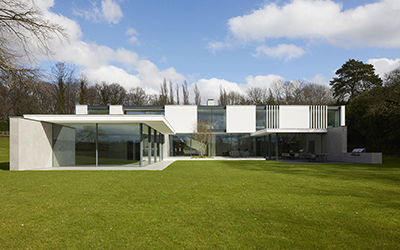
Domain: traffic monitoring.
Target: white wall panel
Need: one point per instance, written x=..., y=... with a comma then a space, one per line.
x=240, y=119
x=342, y=115
x=294, y=117
x=81, y=109
x=183, y=118
x=116, y=110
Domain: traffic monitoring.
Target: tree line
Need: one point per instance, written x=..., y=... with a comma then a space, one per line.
x=373, y=104
x=64, y=90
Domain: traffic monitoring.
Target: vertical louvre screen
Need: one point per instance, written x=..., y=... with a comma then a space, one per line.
x=318, y=117
x=272, y=116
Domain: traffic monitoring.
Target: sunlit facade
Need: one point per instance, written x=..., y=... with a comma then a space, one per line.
x=138, y=136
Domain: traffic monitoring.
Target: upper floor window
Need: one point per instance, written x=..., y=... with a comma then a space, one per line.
x=261, y=119
x=333, y=116
x=98, y=110
x=216, y=115
x=144, y=110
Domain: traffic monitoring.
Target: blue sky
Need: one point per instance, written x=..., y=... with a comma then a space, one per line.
x=236, y=44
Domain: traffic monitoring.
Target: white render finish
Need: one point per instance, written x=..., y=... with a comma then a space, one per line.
x=116, y=110
x=158, y=122
x=81, y=109
x=183, y=118
x=30, y=144
x=343, y=115
x=294, y=116
x=240, y=119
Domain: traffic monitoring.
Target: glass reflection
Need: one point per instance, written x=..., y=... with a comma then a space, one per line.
x=118, y=144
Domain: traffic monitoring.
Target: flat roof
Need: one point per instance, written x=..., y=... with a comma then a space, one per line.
x=157, y=122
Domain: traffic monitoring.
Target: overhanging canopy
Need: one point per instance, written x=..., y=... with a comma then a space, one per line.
x=157, y=122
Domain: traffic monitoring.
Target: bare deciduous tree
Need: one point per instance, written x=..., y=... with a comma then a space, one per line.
x=24, y=32
x=163, y=98
x=197, y=96
x=202, y=134
x=177, y=94
x=137, y=97
x=185, y=92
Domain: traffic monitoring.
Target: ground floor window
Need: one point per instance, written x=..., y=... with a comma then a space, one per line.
x=272, y=146
x=298, y=145
x=104, y=145
x=220, y=145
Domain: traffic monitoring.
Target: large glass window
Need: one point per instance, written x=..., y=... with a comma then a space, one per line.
x=215, y=115
x=289, y=145
x=98, y=110
x=118, y=144
x=102, y=144
x=183, y=145
x=261, y=119
x=74, y=144
x=144, y=112
x=333, y=117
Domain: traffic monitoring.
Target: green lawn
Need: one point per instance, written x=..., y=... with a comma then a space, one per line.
x=206, y=205
x=4, y=153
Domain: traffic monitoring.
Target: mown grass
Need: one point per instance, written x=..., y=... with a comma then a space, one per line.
x=204, y=205
x=4, y=153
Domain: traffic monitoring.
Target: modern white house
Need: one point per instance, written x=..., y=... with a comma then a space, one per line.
x=137, y=136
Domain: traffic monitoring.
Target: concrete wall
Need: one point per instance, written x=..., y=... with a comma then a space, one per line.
x=335, y=144
x=294, y=117
x=30, y=144
x=369, y=158
x=240, y=119
x=183, y=118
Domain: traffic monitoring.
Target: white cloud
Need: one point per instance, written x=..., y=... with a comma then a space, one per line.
x=375, y=24
x=110, y=12
x=282, y=51
x=215, y=46
x=262, y=81
x=131, y=32
x=96, y=60
x=112, y=74
x=133, y=35
x=384, y=65
x=320, y=79
x=209, y=88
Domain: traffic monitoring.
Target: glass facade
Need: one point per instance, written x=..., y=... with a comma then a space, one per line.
x=220, y=145
x=118, y=144
x=144, y=112
x=215, y=115
x=298, y=145
x=98, y=110
x=74, y=144
x=333, y=117
x=101, y=144
x=183, y=145
x=261, y=119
